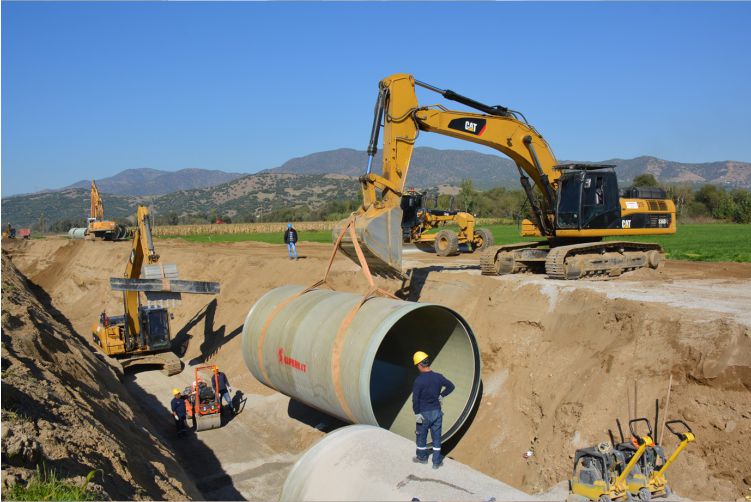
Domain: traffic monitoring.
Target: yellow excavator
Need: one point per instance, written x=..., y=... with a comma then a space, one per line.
x=573, y=206
x=418, y=220
x=97, y=226
x=142, y=335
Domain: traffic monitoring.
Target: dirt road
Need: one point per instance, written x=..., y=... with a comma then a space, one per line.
x=560, y=358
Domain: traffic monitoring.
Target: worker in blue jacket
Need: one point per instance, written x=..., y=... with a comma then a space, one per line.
x=290, y=239
x=179, y=412
x=428, y=392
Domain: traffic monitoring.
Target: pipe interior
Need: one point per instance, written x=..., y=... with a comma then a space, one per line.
x=453, y=352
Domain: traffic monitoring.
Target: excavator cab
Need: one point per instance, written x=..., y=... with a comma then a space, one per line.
x=155, y=327
x=411, y=205
x=588, y=197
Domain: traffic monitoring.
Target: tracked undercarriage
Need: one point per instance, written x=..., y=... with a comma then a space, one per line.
x=573, y=261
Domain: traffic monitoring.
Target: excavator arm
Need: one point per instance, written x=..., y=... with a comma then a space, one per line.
x=377, y=222
x=97, y=207
x=142, y=252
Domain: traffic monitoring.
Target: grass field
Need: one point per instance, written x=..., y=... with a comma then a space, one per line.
x=696, y=242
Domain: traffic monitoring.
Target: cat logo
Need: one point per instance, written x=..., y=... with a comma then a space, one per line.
x=470, y=125
x=625, y=223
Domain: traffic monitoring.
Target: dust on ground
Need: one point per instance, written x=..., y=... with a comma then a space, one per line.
x=560, y=358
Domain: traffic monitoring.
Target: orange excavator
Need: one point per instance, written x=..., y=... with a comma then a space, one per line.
x=573, y=206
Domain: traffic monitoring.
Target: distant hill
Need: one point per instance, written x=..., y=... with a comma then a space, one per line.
x=312, y=180
x=147, y=181
x=251, y=195
x=433, y=167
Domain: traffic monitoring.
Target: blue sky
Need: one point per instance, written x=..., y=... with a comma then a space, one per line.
x=90, y=89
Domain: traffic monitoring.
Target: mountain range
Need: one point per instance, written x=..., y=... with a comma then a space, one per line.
x=312, y=180
x=147, y=181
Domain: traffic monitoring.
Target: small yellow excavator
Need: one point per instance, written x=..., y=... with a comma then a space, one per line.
x=573, y=206
x=418, y=220
x=142, y=335
x=98, y=227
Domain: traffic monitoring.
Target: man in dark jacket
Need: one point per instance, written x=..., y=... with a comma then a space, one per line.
x=221, y=385
x=178, y=412
x=290, y=239
x=428, y=392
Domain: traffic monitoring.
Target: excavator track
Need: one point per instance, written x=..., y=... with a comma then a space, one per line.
x=490, y=259
x=170, y=363
x=601, y=259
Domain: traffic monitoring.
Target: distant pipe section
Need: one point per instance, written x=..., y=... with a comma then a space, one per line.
x=77, y=233
x=359, y=368
x=362, y=462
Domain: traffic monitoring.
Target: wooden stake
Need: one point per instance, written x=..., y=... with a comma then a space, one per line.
x=628, y=402
x=667, y=403
x=636, y=397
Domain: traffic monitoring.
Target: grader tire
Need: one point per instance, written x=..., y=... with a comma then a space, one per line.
x=483, y=239
x=446, y=243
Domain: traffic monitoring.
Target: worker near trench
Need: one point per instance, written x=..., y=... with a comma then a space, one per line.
x=290, y=239
x=428, y=392
x=221, y=385
x=179, y=412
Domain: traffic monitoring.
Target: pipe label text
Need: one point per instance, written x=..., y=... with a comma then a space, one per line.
x=290, y=361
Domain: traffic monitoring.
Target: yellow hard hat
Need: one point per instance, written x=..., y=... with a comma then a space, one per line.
x=175, y=391
x=419, y=357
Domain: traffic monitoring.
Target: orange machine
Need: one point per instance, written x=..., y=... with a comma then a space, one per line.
x=202, y=399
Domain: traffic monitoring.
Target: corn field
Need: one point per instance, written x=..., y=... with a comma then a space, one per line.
x=253, y=228
x=239, y=228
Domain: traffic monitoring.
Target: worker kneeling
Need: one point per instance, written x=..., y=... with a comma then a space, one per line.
x=428, y=391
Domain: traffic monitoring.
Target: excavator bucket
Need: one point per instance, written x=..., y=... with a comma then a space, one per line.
x=379, y=235
x=207, y=422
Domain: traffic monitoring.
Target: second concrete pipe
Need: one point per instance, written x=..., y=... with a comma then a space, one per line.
x=360, y=371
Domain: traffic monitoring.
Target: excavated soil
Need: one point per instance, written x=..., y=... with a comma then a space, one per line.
x=63, y=408
x=562, y=360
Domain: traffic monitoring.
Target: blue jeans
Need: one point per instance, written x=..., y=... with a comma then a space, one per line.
x=432, y=421
x=291, y=248
x=224, y=396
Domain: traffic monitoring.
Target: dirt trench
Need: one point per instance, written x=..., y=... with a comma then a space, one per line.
x=64, y=410
x=561, y=359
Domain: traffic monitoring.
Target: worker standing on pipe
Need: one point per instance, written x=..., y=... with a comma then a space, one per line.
x=428, y=392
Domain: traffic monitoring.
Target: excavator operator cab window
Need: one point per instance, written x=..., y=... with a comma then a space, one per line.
x=411, y=203
x=569, y=199
x=155, y=324
x=588, y=199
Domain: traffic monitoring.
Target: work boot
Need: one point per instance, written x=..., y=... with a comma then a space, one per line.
x=418, y=460
x=437, y=466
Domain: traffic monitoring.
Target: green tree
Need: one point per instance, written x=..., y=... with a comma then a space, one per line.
x=741, y=206
x=645, y=180
x=467, y=196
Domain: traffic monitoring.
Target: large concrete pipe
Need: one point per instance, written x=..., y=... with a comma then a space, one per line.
x=362, y=462
x=361, y=371
x=77, y=233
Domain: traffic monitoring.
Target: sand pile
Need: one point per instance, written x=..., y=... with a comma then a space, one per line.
x=560, y=358
x=64, y=409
